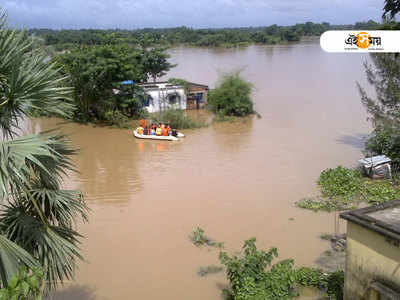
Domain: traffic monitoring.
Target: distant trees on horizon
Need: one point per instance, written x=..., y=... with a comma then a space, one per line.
x=211, y=37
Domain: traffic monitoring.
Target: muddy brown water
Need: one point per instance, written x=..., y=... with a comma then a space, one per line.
x=235, y=180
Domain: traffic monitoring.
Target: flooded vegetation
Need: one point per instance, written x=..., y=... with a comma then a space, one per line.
x=235, y=179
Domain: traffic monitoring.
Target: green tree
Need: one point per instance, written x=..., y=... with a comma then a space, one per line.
x=384, y=109
x=95, y=71
x=37, y=214
x=392, y=7
x=156, y=63
x=231, y=97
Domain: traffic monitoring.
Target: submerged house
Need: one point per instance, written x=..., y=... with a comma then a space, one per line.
x=160, y=96
x=373, y=252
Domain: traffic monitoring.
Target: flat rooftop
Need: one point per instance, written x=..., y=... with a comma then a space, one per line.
x=383, y=218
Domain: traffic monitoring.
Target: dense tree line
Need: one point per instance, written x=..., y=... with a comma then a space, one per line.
x=273, y=34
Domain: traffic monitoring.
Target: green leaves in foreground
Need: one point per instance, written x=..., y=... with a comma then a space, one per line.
x=24, y=285
x=252, y=276
x=37, y=215
x=343, y=188
x=27, y=80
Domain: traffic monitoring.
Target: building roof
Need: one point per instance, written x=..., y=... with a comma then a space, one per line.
x=150, y=86
x=166, y=84
x=198, y=85
x=369, y=162
x=383, y=218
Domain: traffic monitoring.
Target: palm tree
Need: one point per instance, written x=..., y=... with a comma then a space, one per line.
x=37, y=215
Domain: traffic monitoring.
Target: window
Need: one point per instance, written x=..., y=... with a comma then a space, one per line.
x=146, y=100
x=172, y=99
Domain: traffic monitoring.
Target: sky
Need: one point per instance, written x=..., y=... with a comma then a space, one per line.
x=132, y=14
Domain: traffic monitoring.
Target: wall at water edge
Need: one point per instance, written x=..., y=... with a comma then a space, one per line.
x=370, y=258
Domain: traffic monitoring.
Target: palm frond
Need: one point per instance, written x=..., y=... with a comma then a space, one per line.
x=12, y=257
x=55, y=247
x=41, y=156
x=27, y=81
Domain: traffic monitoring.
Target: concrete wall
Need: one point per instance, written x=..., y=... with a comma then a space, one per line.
x=369, y=256
x=160, y=99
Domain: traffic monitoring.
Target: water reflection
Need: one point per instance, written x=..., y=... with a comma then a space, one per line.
x=355, y=140
x=107, y=162
x=75, y=292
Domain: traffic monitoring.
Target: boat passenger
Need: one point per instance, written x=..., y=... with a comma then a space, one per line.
x=143, y=123
x=153, y=131
x=165, y=131
x=139, y=130
x=169, y=129
x=159, y=131
x=146, y=131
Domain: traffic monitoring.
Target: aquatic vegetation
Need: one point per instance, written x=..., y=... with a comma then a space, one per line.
x=198, y=238
x=212, y=269
x=343, y=188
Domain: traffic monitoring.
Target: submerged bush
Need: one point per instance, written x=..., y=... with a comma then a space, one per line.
x=177, y=119
x=252, y=276
x=116, y=118
x=343, y=188
x=198, y=238
x=231, y=97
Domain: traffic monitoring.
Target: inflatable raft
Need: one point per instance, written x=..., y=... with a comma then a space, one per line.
x=158, y=137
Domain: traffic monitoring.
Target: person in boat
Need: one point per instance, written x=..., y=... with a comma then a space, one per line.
x=139, y=130
x=159, y=130
x=168, y=129
x=165, y=131
x=153, y=130
x=143, y=123
x=174, y=133
x=146, y=131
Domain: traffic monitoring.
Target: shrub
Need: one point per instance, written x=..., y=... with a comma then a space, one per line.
x=177, y=119
x=116, y=118
x=385, y=140
x=232, y=96
x=26, y=284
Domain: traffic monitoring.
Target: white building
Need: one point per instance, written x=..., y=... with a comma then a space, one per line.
x=161, y=96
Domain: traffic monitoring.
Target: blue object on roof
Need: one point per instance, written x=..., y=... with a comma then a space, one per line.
x=126, y=82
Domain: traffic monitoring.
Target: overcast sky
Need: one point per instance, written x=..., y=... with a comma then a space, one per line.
x=193, y=13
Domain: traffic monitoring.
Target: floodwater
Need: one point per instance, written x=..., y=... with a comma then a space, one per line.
x=234, y=180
